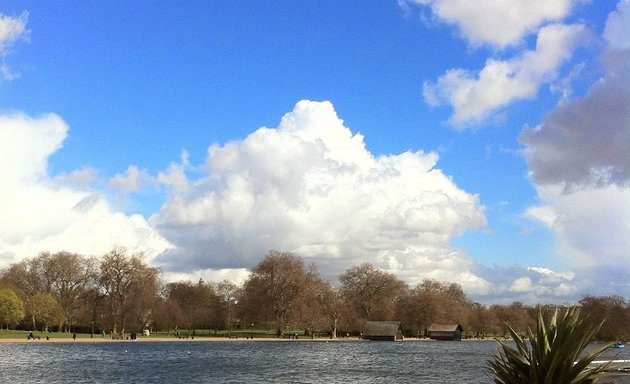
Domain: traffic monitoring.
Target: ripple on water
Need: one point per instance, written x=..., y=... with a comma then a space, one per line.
x=218, y=362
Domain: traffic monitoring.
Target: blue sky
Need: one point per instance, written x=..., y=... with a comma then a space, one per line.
x=431, y=138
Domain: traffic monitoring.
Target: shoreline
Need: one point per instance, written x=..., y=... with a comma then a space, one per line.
x=205, y=340
x=168, y=340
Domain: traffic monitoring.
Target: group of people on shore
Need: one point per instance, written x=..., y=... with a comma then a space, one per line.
x=133, y=336
x=33, y=337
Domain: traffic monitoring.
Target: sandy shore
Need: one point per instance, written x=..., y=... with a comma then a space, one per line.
x=99, y=339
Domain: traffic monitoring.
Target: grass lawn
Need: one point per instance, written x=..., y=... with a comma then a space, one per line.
x=203, y=333
x=13, y=334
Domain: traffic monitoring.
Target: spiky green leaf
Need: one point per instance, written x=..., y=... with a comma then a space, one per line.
x=554, y=354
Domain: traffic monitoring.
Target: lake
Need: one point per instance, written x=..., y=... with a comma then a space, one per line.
x=247, y=362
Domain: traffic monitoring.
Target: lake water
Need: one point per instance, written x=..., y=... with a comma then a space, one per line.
x=247, y=362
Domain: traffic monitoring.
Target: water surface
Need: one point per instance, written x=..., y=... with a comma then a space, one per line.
x=247, y=362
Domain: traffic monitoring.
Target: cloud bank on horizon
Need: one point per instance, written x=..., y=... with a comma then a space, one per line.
x=311, y=186
x=308, y=186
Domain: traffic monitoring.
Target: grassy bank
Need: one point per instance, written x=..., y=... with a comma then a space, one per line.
x=184, y=334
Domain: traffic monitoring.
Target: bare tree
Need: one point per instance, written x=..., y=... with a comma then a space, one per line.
x=71, y=276
x=254, y=307
x=515, y=314
x=277, y=281
x=168, y=315
x=433, y=301
x=312, y=303
x=482, y=320
x=28, y=278
x=332, y=305
x=228, y=294
x=196, y=300
x=417, y=310
x=63, y=274
x=613, y=311
x=371, y=292
x=128, y=284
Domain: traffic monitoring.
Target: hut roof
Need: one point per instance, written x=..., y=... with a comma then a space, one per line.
x=381, y=328
x=445, y=327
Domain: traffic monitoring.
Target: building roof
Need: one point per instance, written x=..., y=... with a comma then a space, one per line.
x=445, y=327
x=381, y=328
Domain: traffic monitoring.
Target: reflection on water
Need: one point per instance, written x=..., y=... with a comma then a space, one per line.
x=228, y=362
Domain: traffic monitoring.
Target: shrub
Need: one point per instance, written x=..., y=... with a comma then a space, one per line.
x=555, y=353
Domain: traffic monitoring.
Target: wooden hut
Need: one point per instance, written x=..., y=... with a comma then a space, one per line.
x=382, y=331
x=445, y=331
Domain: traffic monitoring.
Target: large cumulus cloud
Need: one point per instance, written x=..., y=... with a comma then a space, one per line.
x=44, y=213
x=311, y=186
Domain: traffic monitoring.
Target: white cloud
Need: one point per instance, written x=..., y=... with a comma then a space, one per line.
x=586, y=142
x=287, y=188
x=552, y=276
x=532, y=288
x=544, y=282
x=415, y=262
x=40, y=212
x=522, y=284
x=12, y=29
x=616, y=30
x=478, y=96
x=591, y=225
x=28, y=139
x=81, y=178
x=131, y=181
x=297, y=188
x=475, y=96
x=174, y=178
x=530, y=285
x=498, y=23
x=7, y=74
x=579, y=161
x=235, y=275
x=311, y=186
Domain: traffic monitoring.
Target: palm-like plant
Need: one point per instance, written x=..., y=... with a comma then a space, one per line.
x=553, y=355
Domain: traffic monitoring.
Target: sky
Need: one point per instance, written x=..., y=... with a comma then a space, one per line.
x=482, y=143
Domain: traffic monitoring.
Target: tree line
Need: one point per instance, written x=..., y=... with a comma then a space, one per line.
x=119, y=291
